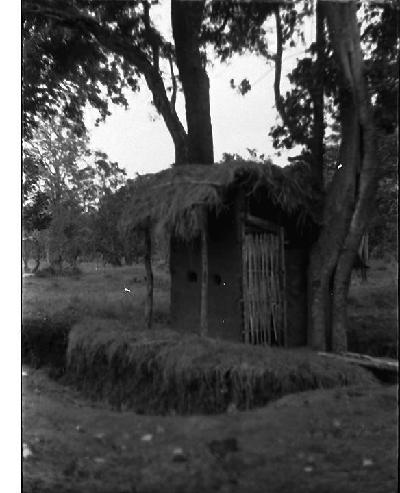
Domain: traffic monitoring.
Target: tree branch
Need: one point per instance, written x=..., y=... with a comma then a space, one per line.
x=151, y=35
x=278, y=73
x=123, y=45
x=224, y=23
x=174, y=84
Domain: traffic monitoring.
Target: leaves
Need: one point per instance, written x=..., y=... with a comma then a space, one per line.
x=64, y=183
x=64, y=65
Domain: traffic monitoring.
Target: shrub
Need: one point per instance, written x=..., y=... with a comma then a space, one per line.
x=66, y=271
x=159, y=371
x=44, y=342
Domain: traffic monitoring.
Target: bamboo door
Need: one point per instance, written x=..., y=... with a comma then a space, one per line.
x=264, y=301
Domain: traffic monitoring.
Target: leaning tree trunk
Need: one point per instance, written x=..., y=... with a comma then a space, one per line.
x=350, y=198
x=186, y=23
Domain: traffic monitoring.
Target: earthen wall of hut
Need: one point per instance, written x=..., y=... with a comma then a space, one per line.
x=224, y=288
x=296, y=296
x=225, y=278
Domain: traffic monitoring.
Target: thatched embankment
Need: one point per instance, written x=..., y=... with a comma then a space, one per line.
x=163, y=371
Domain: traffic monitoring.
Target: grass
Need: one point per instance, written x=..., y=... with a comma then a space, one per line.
x=101, y=293
x=44, y=343
x=373, y=311
x=112, y=293
x=162, y=371
x=112, y=358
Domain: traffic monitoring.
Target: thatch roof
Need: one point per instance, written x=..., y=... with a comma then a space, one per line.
x=171, y=198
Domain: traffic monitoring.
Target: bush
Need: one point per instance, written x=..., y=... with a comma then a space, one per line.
x=375, y=337
x=44, y=342
x=67, y=271
x=161, y=371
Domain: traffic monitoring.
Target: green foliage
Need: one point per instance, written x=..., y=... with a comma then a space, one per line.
x=383, y=228
x=64, y=183
x=65, y=68
x=235, y=27
x=112, y=242
x=383, y=224
x=54, y=162
x=298, y=102
x=66, y=235
x=35, y=213
x=44, y=343
x=373, y=311
x=380, y=44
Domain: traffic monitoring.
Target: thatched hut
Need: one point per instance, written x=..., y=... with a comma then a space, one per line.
x=240, y=233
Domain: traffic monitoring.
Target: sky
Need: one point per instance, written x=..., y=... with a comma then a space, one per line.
x=139, y=141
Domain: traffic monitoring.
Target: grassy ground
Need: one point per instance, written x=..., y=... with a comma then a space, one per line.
x=373, y=311
x=118, y=293
x=106, y=292
x=341, y=440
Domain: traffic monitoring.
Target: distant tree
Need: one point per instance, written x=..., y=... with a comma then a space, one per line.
x=109, y=176
x=383, y=227
x=31, y=249
x=113, y=243
x=63, y=183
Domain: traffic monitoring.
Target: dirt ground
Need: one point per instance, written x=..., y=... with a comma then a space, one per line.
x=342, y=440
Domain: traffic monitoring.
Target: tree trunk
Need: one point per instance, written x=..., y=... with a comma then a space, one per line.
x=349, y=200
x=186, y=23
x=26, y=263
x=25, y=254
x=149, y=279
x=336, y=220
x=37, y=256
x=163, y=105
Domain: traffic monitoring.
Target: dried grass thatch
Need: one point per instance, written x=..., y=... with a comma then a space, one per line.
x=163, y=371
x=169, y=200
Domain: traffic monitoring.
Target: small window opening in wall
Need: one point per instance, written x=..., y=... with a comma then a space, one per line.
x=217, y=279
x=192, y=276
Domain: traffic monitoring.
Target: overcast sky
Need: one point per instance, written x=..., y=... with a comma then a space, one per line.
x=138, y=139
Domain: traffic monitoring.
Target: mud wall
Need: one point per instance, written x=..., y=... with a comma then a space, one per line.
x=225, y=282
x=225, y=278
x=185, y=285
x=224, y=289
x=296, y=296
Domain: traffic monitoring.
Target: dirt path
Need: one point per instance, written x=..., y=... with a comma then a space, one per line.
x=324, y=441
